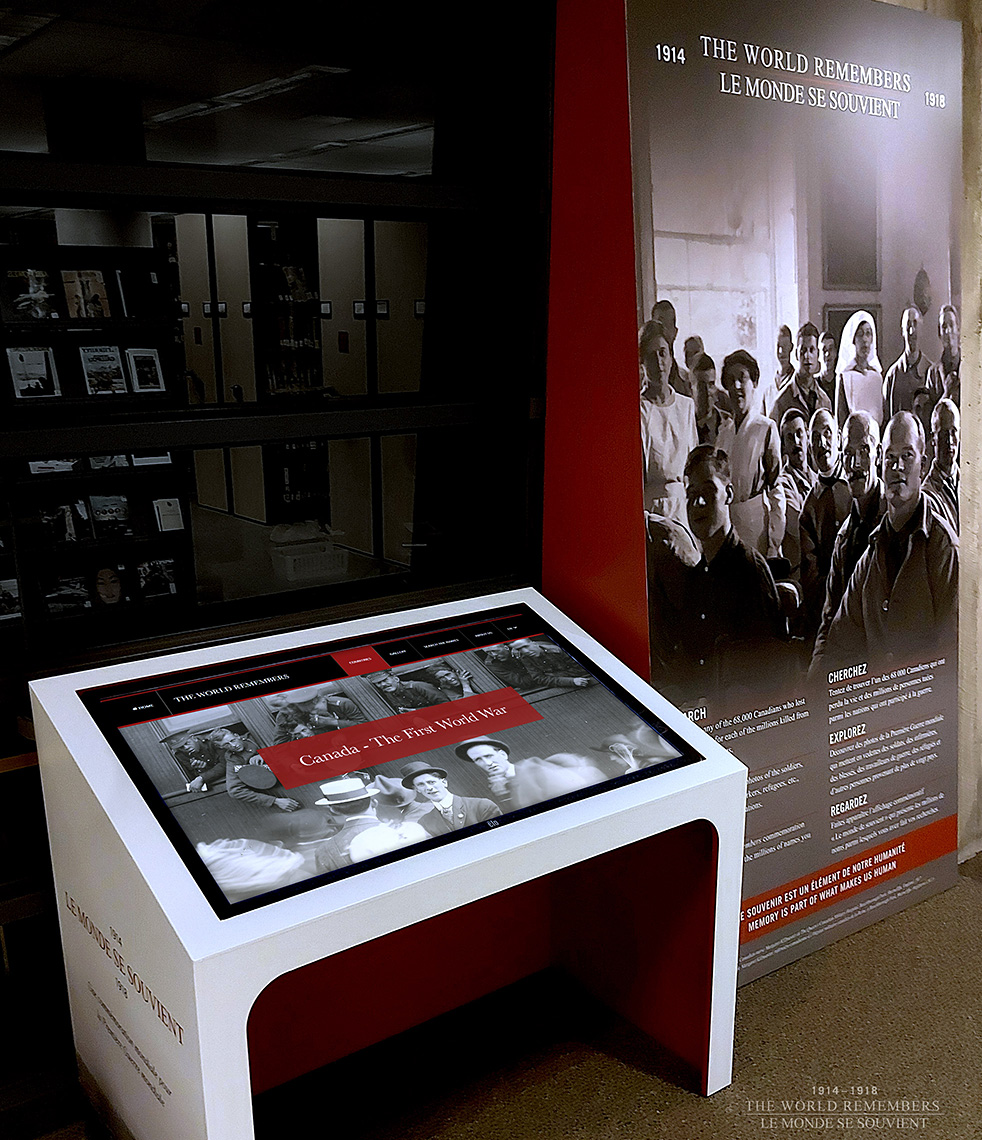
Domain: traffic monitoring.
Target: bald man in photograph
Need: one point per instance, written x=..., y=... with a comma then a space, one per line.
x=943, y=478
x=944, y=378
x=901, y=601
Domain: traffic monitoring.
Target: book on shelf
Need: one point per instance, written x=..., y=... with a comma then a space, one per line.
x=102, y=462
x=110, y=515
x=295, y=284
x=157, y=579
x=85, y=294
x=27, y=296
x=107, y=585
x=33, y=373
x=150, y=458
x=9, y=598
x=168, y=514
x=54, y=466
x=67, y=522
x=145, y=374
x=102, y=367
x=140, y=293
x=67, y=595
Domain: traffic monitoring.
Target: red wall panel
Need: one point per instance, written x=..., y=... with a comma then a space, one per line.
x=593, y=563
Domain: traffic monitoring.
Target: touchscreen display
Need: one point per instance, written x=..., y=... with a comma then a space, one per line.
x=272, y=775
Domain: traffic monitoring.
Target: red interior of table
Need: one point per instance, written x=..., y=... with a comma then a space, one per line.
x=634, y=925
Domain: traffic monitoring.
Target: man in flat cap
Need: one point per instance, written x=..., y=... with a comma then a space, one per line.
x=450, y=812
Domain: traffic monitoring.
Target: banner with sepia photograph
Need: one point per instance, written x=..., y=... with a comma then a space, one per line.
x=797, y=181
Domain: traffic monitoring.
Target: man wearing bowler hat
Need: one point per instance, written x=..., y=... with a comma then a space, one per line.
x=493, y=757
x=450, y=812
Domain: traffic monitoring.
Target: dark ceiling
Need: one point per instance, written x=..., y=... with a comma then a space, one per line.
x=347, y=89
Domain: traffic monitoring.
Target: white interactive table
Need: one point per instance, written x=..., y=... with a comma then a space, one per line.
x=635, y=890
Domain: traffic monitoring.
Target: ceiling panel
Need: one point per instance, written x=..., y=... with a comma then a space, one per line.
x=231, y=84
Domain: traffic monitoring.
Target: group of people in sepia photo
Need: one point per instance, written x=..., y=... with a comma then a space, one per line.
x=801, y=520
x=286, y=836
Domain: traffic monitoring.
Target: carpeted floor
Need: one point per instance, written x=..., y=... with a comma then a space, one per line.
x=896, y=1008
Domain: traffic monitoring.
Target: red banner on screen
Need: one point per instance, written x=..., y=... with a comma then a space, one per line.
x=357, y=662
x=848, y=877
x=330, y=754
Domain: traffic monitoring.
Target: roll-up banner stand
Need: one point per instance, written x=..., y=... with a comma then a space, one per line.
x=797, y=181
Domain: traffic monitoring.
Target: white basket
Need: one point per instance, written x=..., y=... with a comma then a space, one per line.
x=300, y=561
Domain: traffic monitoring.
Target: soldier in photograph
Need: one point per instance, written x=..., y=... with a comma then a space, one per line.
x=229, y=745
x=198, y=755
x=405, y=696
x=327, y=710
x=452, y=683
x=509, y=669
x=692, y=349
x=548, y=665
x=247, y=778
x=256, y=784
x=785, y=369
x=922, y=407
